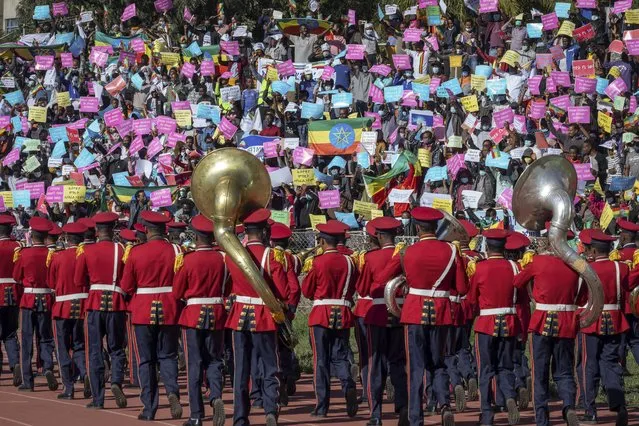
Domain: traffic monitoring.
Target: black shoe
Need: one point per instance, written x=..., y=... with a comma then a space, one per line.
x=218, y=412
x=94, y=406
x=460, y=399
x=25, y=388
x=472, y=389
x=351, y=402
x=283, y=395
x=513, y=411
x=271, y=420
x=315, y=414
x=87, y=387
x=52, y=383
x=524, y=398
x=403, y=417
x=120, y=397
x=588, y=419
x=571, y=417
x=17, y=375
x=176, y=408
x=291, y=387
x=374, y=422
x=448, y=419
x=622, y=417
x=390, y=390
x=192, y=422
x=65, y=396
x=144, y=418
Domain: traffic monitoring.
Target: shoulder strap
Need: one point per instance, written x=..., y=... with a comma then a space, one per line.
x=618, y=282
x=450, y=264
x=115, y=264
x=351, y=265
x=515, y=272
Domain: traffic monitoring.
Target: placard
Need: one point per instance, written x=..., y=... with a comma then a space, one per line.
x=161, y=198
x=74, y=193
x=38, y=114
x=329, y=199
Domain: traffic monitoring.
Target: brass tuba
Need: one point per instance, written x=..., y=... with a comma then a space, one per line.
x=545, y=191
x=227, y=185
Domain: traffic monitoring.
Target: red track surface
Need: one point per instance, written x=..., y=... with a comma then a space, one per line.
x=41, y=408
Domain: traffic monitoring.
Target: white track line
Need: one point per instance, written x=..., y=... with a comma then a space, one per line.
x=15, y=421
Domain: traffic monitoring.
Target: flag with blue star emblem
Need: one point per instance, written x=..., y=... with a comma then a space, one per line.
x=336, y=137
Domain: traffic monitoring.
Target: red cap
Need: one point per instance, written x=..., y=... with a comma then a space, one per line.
x=176, y=225
x=279, y=231
x=570, y=235
x=202, y=224
x=386, y=223
x=75, y=228
x=470, y=227
x=426, y=214
x=344, y=226
x=334, y=229
x=154, y=218
x=239, y=229
x=89, y=223
x=585, y=236
x=127, y=235
x=495, y=234
x=259, y=216
x=628, y=226
x=600, y=236
x=105, y=218
x=270, y=221
x=6, y=219
x=140, y=228
x=40, y=224
x=55, y=230
x=370, y=229
x=516, y=241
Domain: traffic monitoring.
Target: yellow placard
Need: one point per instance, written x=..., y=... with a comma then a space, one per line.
x=606, y=216
x=600, y=191
x=38, y=114
x=7, y=196
x=303, y=177
x=478, y=82
x=604, y=121
x=316, y=219
x=170, y=59
x=615, y=72
x=455, y=61
x=423, y=155
x=183, y=117
x=566, y=29
x=363, y=208
x=376, y=213
x=64, y=100
x=281, y=216
x=445, y=204
x=74, y=193
x=512, y=58
x=470, y=103
x=271, y=74
x=632, y=16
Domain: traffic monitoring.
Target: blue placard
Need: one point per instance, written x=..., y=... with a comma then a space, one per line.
x=21, y=198
x=209, y=112
x=337, y=161
x=435, y=174
x=312, y=110
x=194, y=48
x=342, y=100
x=602, y=83
x=58, y=150
x=363, y=160
x=42, y=13
x=95, y=124
x=19, y=142
x=14, y=98
x=496, y=86
x=484, y=70
x=562, y=9
x=620, y=183
x=453, y=85
x=418, y=117
x=84, y=159
x=323, y=177
x=16, y=123
x=120, y=179
x=280, y=87
x=393, y=93
x=422, y=90
x=348, y=219
x=534, y=30
x=137, y=81
x=64, y=38
x=58, y=134
x=500, y=162
x=380, y=12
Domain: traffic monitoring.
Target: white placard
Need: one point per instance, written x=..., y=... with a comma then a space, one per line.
x=290, y=143
x=399, y=196
x=473, y=155
x=230, y=94
x=54, y=163
x=278, y=177
x=369, y=141
x=517, y=153
x=471, y=198
x=67, y=170
x=427, y=198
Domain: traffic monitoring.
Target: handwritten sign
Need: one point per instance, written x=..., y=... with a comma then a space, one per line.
x=329, y=199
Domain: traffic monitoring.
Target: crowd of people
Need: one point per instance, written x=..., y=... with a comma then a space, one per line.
x=104, y=117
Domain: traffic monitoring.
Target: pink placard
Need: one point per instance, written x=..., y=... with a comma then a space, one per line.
x=227, y=128
x=616, y=88
x=506, y=198
x=114, y=147
x=537, y=110
x=98, y=58
x=113, y=118
x=35, y=188
x=2, y=206
x=138, y=45
x=381, y=69
x=561, y=78
x=188, y=69
x=455, y=164
x=587, y=4
x=583, y=68
x=303, y=156
x=80, y=124
x=585, y=85
x=5, y=120
x=633, y=105
x=533, y=85
x=154, y=148
x=632, y=46
x=584, y=33
x=504, y=116
x=434, y=84
x=163, y=5
x=583, y=172
x=43, y=63
x=329, y=199
x=621, y=6
x=11, y=157
x=579, y=114
x=376, y=94
x=543, y=60
x=550, y=21
x=181, y=106
x=562, y=102
x=165, y=125
x=487, y=6
x=327, y=73
x=89, y=104
x=377, y=123
x=432, y=40
x=142, y=126
x=270, y=149
x=161, y=198
x=55, y=194
x=412, y=34
x=129, y=12
x=89, y=167
x=351, y=17
x=285, y=69
x=66, y=59
x=557, y=53
x=409, y=98
x=60, y=9
x=136, y=145
x=125, y=128
x=355, y=51
x=174, y=138
x=402, y=62
x=230, y=47
x=207, y=68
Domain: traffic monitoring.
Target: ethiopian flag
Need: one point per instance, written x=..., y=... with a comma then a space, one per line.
x=377, y=187
x=125, y=193
x=336, y=137
x=291, y=26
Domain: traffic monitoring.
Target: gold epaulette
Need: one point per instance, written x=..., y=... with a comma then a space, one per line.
x=398, y=248
x=471, y=268
x=319, y=252
x=458, y=247
x=308, y=264
x=635, y=259
x=279, y=255
x=355, y=258
x=16, y=253
x=615, y=255
x=50, y=257
x=472, y=244
x=361, y=259
x=127, y=251
x=179, y=262
x=527, y=258
x=80, y=250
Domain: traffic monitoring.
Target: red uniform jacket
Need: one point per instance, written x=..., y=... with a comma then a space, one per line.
x=341, y=248
x=30, y=271
x=364, y=283
x=8, y=291
x=258, y=316
x=468, y=310
x=626, y=254
x=291, y=267
x=491, y=288
x=332, y=278
x=429, y=263
x=100, y=264
x=148, y=279
x=614, y=280
x=203, y=275
x=61, y=280
x=554, y=283
x=368, y=284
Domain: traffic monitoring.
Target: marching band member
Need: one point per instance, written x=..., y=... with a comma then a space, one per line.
x=129, y=239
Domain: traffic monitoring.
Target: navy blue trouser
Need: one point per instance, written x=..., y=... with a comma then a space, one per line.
x=426, y=351
x=38, y=323
x=454, y=367
x=98, y=325
x=156, y=344
x=9, y=319
x=204, y=352
x=69, y=339
x=495, y=359
x=248, y=348
x=521, y=370
x=386, y=356
x=629, y=340
x=601, y=359
x=562, y=353
x=465, y=356
x=285, y=368
x=361, y=338
x=330, y=349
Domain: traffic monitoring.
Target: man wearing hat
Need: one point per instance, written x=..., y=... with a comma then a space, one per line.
x=254, y=329
x=497, y=327
x=98, y=268
x=601, y=339
x=9, y=301
x=89, y=235
x=68, y=312
x=432, y=268
x=552, y=329
x=147, y=279
x=129, y=239
x=201, y=281
x=330, y=284
x=53, y=237
x=384, y=332
x=140, y=233
x=36, y=300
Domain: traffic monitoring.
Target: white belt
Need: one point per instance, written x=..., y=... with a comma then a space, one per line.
x=74, y=296
x=249, y=300
x=555, y=308
x=331, y=302
x=611, y=307
x=381, y=301
x=7, y=281
x=204, y=301
x=154, y=290
x=497, y=311
x=106, y=287
x=30, y=290
x=364, y=298
x=429, y=293
x=455, y=299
